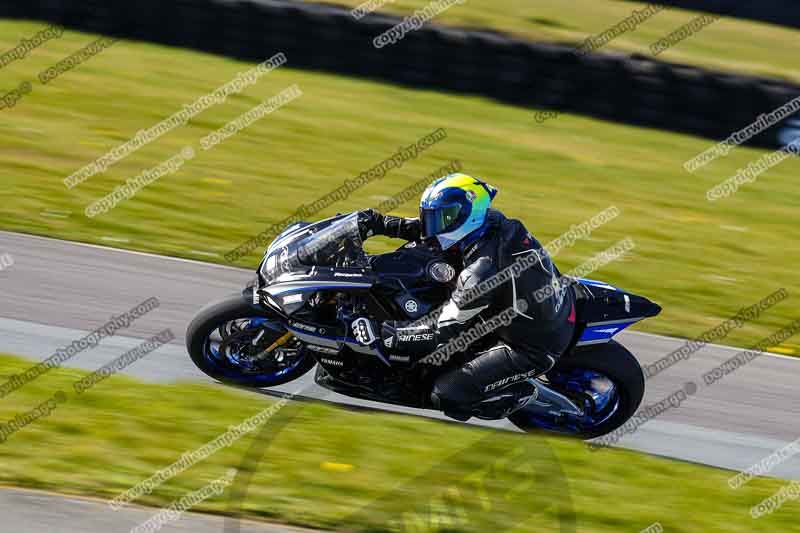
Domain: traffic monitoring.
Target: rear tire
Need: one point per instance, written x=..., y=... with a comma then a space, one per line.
x=617, y=363
x=212, y=317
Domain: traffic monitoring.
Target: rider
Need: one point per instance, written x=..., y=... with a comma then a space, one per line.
x=455, y=216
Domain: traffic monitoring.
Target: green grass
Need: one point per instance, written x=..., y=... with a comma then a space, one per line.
x=332, y=468
x=733, y=45
x=701, y=261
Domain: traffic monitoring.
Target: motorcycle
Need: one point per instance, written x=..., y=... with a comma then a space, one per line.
x=316, y=278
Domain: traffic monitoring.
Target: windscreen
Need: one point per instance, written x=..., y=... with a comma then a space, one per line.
x=330, y=243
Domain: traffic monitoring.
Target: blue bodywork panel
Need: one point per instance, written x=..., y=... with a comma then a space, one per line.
x=598, y=333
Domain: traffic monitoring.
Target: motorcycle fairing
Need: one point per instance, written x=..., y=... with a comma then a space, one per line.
x=603, y=332
x=292, y=292
x=604, y=310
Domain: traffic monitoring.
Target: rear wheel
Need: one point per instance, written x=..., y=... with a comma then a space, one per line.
x=605, y=380
x=234, y=343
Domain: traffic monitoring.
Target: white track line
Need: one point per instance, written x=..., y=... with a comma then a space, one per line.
x=123, y=251
x=731, y=348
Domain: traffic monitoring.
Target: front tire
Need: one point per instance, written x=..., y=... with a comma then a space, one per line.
x=237, y=323
x=611, y=360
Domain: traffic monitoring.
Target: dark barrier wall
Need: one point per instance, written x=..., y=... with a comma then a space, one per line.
x=634, y=90
x=781, y=12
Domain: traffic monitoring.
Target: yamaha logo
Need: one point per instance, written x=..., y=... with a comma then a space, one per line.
x=442, y=272
x=412, y=306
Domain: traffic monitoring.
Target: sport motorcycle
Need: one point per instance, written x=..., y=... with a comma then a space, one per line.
x=316, y=279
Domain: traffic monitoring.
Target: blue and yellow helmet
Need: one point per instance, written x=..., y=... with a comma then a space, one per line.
x=454, y=207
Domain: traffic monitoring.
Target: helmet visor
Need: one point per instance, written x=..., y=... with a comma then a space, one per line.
x=439, y=220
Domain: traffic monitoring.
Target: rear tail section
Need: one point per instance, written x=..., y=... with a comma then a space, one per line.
x=603, y=310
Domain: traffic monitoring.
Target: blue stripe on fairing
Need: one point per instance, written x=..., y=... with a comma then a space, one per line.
x=595, y=283
x=597, y=333
x=319, y=287
x=304, y=332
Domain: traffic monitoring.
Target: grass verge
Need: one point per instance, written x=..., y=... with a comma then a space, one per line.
x=701, y=261
x=328, y=467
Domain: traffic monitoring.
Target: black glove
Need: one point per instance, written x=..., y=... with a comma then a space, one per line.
x=370, y=223
x=364, y=331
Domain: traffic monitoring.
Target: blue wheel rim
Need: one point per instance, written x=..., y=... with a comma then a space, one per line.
x=601, y=400
x=230, y=363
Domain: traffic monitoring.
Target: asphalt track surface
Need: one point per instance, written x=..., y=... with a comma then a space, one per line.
x=56, y=291
x=27, y=511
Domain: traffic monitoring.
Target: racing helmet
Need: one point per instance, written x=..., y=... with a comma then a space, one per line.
x=454, y=208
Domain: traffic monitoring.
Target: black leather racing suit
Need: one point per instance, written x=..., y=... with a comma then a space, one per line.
x=539, y=332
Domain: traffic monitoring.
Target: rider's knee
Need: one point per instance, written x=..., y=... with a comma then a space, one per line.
x=454, y=389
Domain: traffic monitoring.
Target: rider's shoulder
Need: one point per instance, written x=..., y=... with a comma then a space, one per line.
x=515, y=235
x=508, y=226
x=495, y=217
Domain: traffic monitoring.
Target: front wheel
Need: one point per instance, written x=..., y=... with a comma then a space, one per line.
x=234, y=343
x=606, y=380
